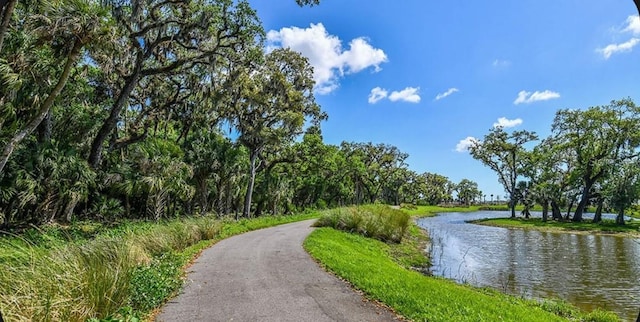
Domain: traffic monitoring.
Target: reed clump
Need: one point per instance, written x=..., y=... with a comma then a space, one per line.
x=375, y=221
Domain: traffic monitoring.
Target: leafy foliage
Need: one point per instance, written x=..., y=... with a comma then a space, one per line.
x=153, y=283
x=590, y=158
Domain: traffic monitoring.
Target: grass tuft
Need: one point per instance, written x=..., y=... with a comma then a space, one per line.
x=376, y=221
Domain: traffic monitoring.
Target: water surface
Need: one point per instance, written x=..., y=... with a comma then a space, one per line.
x=590, y=271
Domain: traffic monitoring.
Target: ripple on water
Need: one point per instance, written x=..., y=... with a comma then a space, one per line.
x=590, y=271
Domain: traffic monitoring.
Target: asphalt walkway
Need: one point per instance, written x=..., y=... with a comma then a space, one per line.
x=266, y=275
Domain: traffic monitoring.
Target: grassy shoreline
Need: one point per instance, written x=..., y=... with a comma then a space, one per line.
x=608, y=227
x=382, y=274
x=631, y=229
x=367, y=264
x=90, y=273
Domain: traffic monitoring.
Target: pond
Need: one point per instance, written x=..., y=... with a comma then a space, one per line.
x=590, y=271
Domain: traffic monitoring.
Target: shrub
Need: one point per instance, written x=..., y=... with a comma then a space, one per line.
x=376, y=221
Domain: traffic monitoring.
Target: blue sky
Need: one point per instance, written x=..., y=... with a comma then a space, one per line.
x=426, y=76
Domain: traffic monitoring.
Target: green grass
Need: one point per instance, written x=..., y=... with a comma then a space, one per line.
x=606, y=226
x=410, y=252
x=92, y=272
x=370, y=267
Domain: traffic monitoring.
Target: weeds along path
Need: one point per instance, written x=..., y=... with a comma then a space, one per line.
x=266, y=275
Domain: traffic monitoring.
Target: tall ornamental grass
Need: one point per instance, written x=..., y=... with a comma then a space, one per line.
x=375, y=221
x=133, y=268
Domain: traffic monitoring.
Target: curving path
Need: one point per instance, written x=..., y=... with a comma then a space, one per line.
x=266, y=275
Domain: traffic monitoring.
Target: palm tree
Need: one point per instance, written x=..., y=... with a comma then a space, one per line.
x=68, y=27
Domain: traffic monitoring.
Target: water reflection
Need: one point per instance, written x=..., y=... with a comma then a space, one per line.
x=591, y=271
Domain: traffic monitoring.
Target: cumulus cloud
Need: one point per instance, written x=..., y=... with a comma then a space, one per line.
x=409, y=94
x=465, y=144
x=377, y=94
x=528, y=97
x=329, y=59
x=506, y=123
x=447, y=93
x=618, y=48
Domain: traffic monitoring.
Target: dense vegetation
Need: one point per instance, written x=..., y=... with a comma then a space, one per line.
x=92, y=271
x=592, y=157
x=154, y=109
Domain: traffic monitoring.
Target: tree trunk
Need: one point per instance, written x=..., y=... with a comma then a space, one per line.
x=252, y=178
x=526, y=212
x=44, y=130
x=202, y=193
x=555, y=211
x=597, y=217
x=274, y=207
x=6, y=11
x=44, y=109
x=229, y=195
x=512, y=205
x=110, y=123
x=577, y=216
x=67, y=214
x=620, y=217
x=568, y=215
x=545, y=211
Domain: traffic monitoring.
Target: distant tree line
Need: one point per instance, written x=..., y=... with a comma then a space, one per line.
x=592, y=157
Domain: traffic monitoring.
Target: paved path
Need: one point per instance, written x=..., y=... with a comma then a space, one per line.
x=266, y=275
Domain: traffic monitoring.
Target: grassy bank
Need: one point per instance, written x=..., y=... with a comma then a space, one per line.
x=605, y=227
x=405, y=241
x=426, y=211
x=89, y=272
x=383, y=273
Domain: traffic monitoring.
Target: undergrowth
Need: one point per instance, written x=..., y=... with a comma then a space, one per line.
x=105, y=273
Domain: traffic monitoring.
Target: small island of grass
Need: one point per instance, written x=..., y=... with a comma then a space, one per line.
x=631, y=228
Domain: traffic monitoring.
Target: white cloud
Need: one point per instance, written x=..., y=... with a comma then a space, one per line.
x=499, y=63
x=362, y=55
x=633, y=25
x=528, y=97
x=377, y=94
x=325, y=53
x=409, y=94
x=506, y=123
x=618, y=48
x=447, y=93
x=465, y=144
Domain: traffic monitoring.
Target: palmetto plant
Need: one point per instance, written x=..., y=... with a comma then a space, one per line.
x=155, y=174
x=48, y=187
x=53, y=37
